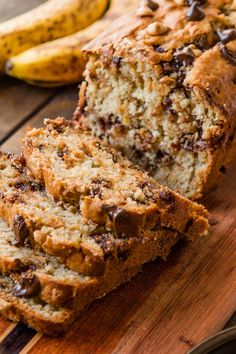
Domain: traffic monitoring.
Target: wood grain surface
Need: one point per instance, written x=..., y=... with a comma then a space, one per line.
x=169, y=307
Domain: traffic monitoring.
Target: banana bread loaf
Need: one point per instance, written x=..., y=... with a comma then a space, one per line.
x=83, y=245
x=160, y=86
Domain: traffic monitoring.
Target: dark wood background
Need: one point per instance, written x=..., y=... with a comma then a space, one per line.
x=169, y=307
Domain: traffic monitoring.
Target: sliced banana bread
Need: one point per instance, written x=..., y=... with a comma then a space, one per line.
x=160, y=86
x=33, y=312
x=80, y=169
x=37, y=274
x=81, y=244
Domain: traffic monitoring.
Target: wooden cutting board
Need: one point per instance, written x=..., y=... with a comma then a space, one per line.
x=166, y=309
x=169, y=307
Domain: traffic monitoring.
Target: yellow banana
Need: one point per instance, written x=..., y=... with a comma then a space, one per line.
x=53, y=19
x=61, y=61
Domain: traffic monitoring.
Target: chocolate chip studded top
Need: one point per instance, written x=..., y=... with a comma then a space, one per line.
x=227, y=35
x=185, y=56
x=195, y=12
x=199, y=25
x=152, y=4
x=227, y=54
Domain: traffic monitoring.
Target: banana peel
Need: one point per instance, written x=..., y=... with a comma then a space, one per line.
x=61, y=62
x=53, y=19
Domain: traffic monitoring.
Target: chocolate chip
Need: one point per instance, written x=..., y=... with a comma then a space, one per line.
x=224, y=10
x=122, y=255
x=60, y=153
x=223, y=169
x=202, y=43
x=227, y=35
x=21, y=186
x=116, y=60
x=160, y=49
x=227, y=54
x=40, y=147
x=97, y=185
x=159, y=155
x=123, y=221
x=20, y=230
x=166, y=196
x=27, y=286
x=34, y=186
x=201, y=2
x=195, y=13
x=184, y=56
x=188, y=225
x=152, y=5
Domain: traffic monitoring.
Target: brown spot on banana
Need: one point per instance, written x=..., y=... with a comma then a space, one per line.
x=61, y=62
x=53, y=19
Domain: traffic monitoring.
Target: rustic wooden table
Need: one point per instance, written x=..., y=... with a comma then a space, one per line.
x=168, y=308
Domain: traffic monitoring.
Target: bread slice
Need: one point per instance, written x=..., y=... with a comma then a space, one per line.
x=33, y=312
x=161, y=87
x=80, y=169
x=81, y=244
x=34, y=273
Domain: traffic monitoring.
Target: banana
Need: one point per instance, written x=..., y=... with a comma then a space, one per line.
x=51, y=20
x=61, y=62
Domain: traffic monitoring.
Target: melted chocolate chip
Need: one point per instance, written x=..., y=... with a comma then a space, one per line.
x=20, y=230
x=195, y=12
x=27, y=286
x=227, y=35
x=184, y=56
x=227, y=54
x=123, y=222
x=152, y=5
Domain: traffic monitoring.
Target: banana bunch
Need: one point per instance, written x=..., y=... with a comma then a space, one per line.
x=61, y=62
x=53, y=19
